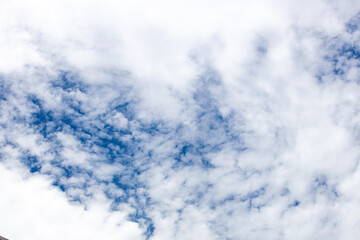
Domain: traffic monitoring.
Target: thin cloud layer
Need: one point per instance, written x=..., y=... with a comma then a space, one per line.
x=168, y=120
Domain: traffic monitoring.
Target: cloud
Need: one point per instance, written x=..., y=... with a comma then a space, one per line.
x=168, y=120
x=43, y=212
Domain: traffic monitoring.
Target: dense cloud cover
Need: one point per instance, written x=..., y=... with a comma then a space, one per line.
x=180, y=119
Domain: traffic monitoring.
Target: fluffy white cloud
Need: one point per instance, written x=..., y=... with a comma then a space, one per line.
x=31, y=208
x=180, y=120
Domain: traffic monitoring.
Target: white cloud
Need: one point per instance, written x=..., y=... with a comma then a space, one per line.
x=206, y=119
x=30, y=208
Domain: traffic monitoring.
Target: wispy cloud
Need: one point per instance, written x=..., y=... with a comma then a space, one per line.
x=164, y=120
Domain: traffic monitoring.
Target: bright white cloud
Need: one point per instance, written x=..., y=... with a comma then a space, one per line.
x=180, y=120
x=32, y=209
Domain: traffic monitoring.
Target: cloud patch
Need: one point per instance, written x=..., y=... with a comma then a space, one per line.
x=164, y=120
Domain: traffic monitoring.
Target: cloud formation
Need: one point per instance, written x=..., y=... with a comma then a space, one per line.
x=179, y=120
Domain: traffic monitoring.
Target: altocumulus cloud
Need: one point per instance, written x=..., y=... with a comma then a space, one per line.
x=180, y=119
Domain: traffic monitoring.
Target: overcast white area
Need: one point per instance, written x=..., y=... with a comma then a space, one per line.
x=180, y=120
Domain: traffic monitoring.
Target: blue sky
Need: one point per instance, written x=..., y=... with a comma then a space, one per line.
x=179, y=120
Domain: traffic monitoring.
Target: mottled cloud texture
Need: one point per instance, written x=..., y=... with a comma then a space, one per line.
x=180, y=120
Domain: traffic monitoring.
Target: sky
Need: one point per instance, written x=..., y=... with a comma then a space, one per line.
x=162, y=119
